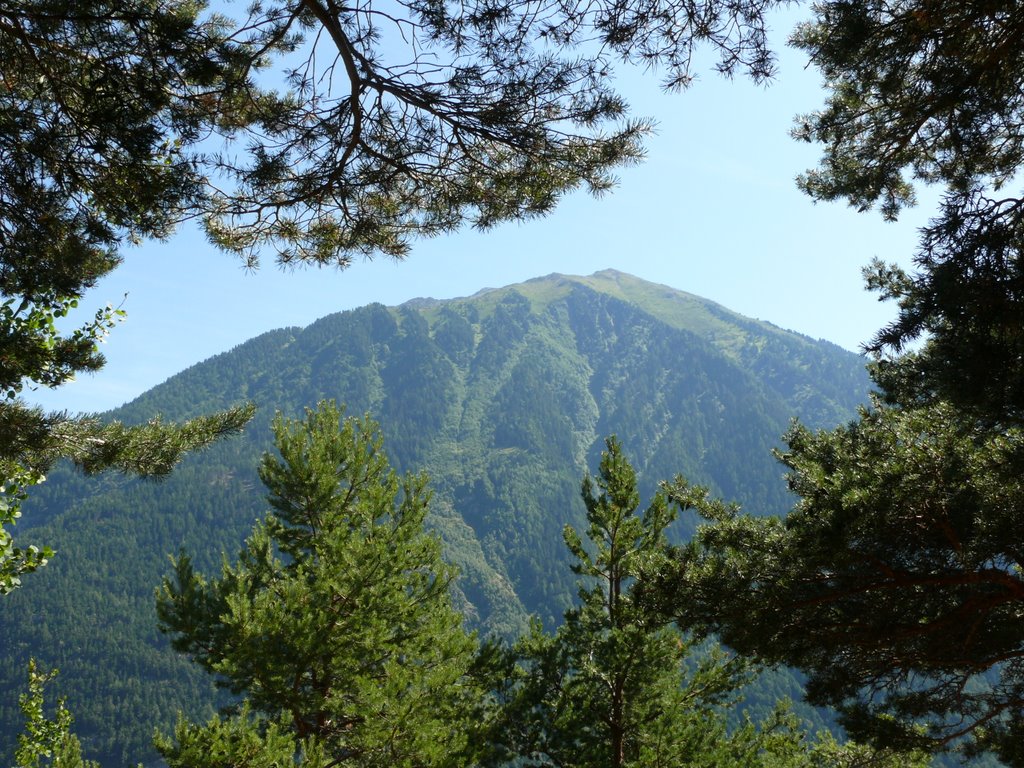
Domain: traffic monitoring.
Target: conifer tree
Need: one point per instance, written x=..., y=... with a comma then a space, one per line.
x=96, y=110
x=929, y=92
x=32, y=441
x=617, y=685
x=334, y=626
x=894, y=583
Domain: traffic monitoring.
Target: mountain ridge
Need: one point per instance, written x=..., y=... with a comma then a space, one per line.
x=679, y=309
x=503, y=398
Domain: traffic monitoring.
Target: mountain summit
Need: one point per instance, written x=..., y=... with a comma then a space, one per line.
x=503, y=398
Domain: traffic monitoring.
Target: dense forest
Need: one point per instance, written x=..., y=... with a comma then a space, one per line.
x=502, y=399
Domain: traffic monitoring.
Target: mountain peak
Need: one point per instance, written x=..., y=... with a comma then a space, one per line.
x=503, y=398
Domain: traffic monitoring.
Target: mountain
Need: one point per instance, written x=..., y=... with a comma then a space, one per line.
x=503, y=398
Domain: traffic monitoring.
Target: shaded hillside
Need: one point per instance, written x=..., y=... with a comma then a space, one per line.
x=502, y=398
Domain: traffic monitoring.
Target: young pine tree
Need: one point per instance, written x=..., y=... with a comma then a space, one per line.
x=335, y=625
x=617, y=686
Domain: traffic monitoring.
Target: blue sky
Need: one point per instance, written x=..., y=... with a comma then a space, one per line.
x=713, y=211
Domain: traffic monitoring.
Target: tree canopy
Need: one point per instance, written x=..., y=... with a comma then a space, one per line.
x=320, y=129
x=894, y=583
x=94, y=112
x=412, y=118
x=335, y=626
x=927, y=92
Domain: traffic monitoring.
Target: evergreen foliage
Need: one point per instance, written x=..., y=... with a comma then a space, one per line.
x=92, y=113
x=335, y=625
x=33, y=442
x=884, y=583
x=617, y=685
x=930, y=92
x=321, y=130
x=414, y=118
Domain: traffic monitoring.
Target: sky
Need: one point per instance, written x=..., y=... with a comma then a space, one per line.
x=713, y=210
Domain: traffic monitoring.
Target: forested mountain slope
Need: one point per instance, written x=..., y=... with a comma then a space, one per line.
x=503, y=398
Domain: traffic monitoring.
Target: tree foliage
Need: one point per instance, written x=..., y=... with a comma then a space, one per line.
x=94, y=112
x=411, y=118
x=369, y=123
x=335, y=625
x=46, y=741
x=895, y=582
x=97, y=106
x=930, y=92
x=618, y=685
x=33, y=441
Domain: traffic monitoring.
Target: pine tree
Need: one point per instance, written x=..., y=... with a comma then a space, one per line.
x=335, y=625
x=31, y=442
x=929, y=91
x=894, y=583
x=93, y=118
x=617, y=685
